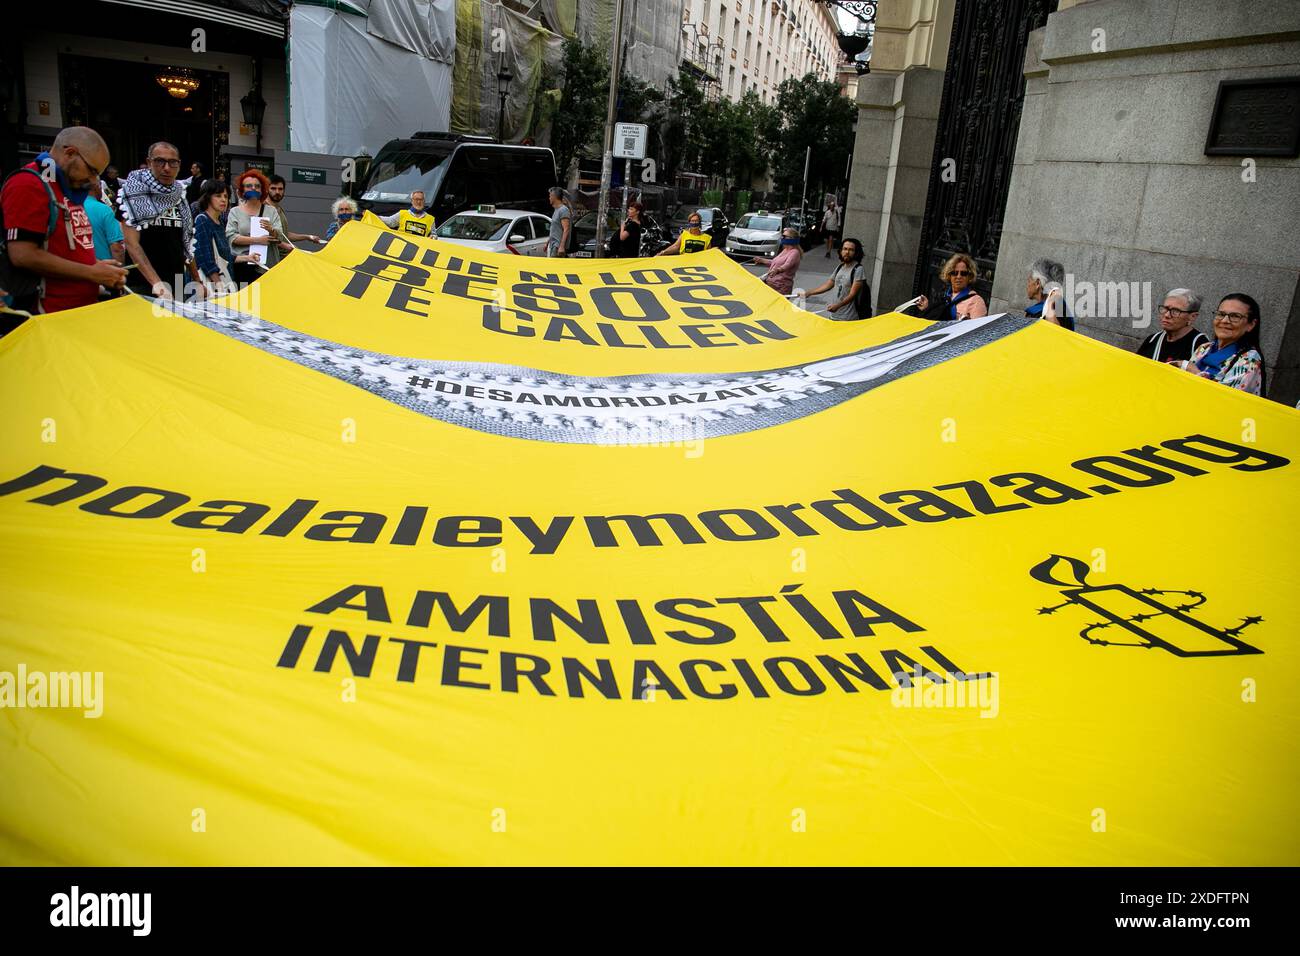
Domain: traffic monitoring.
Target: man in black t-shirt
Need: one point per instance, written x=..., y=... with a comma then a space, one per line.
x=157, y=225
x=1177, y=338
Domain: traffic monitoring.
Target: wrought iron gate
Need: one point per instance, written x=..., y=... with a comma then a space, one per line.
x=979, y=118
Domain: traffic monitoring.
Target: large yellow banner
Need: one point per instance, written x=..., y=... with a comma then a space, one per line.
x=421, y=555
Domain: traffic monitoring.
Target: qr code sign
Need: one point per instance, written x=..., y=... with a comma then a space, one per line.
x=629, y=144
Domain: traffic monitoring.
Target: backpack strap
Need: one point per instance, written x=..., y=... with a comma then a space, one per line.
x=53, y=220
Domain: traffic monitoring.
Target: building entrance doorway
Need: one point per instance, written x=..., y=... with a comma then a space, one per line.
x=125, y=103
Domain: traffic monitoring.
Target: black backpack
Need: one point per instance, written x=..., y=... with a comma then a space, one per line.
x=863, y=302
x=22, y=284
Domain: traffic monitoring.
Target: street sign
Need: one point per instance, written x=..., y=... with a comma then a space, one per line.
x=630, y=140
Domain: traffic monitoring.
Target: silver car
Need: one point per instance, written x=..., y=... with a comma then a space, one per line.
x=756, y=234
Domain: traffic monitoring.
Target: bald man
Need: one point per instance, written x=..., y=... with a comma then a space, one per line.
x=57, y=251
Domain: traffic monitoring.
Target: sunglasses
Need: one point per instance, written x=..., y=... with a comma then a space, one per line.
x=960, y=272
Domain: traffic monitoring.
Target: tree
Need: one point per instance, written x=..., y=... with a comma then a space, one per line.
x=579, y=118
x=677, y=126
x=811, y=112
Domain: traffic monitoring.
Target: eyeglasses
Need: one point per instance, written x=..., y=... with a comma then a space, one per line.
x=960, y=272
x=1170, y=310
x=169, y=163
x=93, y=171
x=1236, y=318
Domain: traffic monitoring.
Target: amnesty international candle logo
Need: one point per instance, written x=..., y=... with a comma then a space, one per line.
x=1149, y=617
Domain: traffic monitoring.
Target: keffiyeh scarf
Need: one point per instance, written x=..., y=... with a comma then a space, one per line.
x=143, y=199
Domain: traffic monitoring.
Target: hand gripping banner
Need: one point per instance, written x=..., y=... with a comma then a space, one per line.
x=412, y=554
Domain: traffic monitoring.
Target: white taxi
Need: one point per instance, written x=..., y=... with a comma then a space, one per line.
x=515, y=231
x=756, y=234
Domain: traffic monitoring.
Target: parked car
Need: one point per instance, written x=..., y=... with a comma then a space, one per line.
x=653, y=237
x=756, y=234
x=715, y=223
x=457, y=172
x=518, y=231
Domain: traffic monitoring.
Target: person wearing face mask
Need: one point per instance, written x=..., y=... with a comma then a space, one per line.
x=691, y=239
x=344, y=210
x=782, y=267
x=252, y=188
x=415, y=219
x=48, y=261
x=960, y=301
x=1234, y=358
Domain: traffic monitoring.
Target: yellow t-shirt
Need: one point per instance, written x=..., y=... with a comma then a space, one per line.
x=421, y=225
x=698, y=243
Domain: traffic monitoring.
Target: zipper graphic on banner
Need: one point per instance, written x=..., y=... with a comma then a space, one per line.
x=607, y=410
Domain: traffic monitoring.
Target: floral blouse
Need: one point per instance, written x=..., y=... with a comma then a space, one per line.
x=1244, y=370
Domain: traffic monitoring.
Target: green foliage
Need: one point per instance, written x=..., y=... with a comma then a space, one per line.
x=812, y=112
x=638, y=101
x=736, y=142
x=678, y=127
x=578, y=121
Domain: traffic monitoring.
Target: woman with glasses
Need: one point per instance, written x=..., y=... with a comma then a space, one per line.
x=251, y=188
x=960, y=301
x=1178, y=338
x=1234, y=358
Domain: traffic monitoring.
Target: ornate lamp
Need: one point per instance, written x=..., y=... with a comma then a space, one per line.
x=856, y=41
x=177, y=81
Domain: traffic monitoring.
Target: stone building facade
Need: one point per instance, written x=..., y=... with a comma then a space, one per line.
x=1110, y=174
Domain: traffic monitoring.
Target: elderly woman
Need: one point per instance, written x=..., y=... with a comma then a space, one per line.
x=251, y=188
x=344, y=210
x=1234, y=358
x=1178, y=337
x=1043, y=290
x=960, y=301
x=782, y=267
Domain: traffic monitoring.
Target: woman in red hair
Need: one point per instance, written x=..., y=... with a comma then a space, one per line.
x=251, y=189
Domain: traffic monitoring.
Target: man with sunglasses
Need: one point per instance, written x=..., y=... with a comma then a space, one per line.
x=1178, y=338
x=157, y=225
x=52, y=257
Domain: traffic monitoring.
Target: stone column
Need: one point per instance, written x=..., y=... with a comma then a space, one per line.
x=897, y=121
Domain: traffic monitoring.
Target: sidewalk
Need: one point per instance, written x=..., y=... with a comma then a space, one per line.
x=814, y=269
